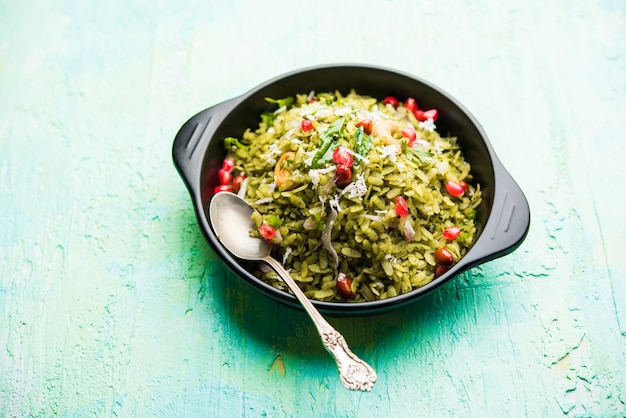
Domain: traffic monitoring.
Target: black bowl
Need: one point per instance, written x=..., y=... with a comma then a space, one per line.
x=503, y=217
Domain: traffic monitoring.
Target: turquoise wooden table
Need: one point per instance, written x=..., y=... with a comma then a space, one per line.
x=113, y=305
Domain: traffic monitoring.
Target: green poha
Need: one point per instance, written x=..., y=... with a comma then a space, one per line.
x=358, y=196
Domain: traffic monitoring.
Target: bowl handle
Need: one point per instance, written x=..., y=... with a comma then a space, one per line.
x=508, y=223
x=191, y=141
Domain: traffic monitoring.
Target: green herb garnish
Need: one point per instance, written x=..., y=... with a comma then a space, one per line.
x=274, y=221
x=418, y=152
x=268, y=119
x=362, y=145
x=232, y=142
x=328, y=143
x=327, y=98
x=287, y=101
x=318, y=220
x=284, y=163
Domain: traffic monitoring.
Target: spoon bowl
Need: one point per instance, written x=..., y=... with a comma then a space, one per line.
x=230, y=219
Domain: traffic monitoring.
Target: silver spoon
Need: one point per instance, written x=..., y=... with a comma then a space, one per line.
x=230, y=218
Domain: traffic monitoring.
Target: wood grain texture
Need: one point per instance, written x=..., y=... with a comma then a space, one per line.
x=112, y=304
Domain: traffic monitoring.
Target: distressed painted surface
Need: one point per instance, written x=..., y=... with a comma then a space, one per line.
x=111, y=304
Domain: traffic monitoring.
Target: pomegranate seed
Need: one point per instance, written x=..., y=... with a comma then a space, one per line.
x=431, y=114
x=228, y=164
x=444, y=257
x=419, y=115
x=367, y=125
x=221, y=188
x=410, y=134
x=237, y=181
x=342, y=156
x=451, y=233
x=225, y=176
x=392, y=101
x=343, y=175
x=454, y=189
x=440, y=270
x=402, y=207
x=267, y=231
x=306, y=125
x=410, y=104
x=344, y=285
x=464, y=186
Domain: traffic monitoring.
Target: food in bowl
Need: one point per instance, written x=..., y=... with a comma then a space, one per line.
x=363, y=199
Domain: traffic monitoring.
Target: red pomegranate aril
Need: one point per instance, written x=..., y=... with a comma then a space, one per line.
x=225, y=176
x=410, y=104
x=464, y=186
x=402, y=207
x=221, y=188
x=410, y=134
x=444, y=257
x=440, y=270
x=344, y=285
x=343, y=175
x=228, y=164
x=267, y=231
x=237, y=181
x=455, y=189
x=431, y=114
x=342, y=156
x=306, y=125
x=367, y=125
x=419, y=115
x=451, y=233
x=392, y=101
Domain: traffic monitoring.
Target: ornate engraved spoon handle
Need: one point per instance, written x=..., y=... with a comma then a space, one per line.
x=354, y=373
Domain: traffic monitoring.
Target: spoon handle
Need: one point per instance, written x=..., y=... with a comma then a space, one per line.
x=354, y=373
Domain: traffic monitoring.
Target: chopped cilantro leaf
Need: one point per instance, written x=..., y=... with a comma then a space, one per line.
x=268, y=119
x=232, y=142
x=274, y=221
x=335, y=127
x=286, y=162
x=318, y=220
x=327, y=98
x=326, y=157
x=328, y=143
x=287, y=101
x=362, y=144
x=418, y=152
